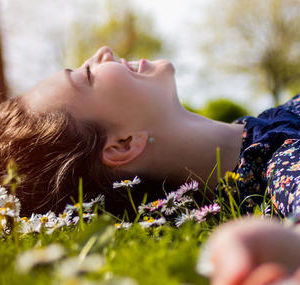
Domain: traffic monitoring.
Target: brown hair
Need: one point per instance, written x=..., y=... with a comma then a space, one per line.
x=52, y=151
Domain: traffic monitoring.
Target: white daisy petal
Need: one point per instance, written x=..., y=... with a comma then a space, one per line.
x=127, y=183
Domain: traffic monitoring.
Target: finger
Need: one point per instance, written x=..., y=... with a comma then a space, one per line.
x=297, y=275
x=231, y=265
x=266, y=274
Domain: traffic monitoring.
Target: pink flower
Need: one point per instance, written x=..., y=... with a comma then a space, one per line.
x=200, y=215
x=186, y=188
x=157, y=205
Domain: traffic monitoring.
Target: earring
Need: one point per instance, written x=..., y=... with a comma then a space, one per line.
x=151, y=139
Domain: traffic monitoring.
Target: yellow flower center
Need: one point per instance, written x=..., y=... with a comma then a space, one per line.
x=117, y=225
x=9, y=205
x=77, y=205
x=3, y=210
x=126, y=181
x=155, y=203
x=2, y=218
x=150, y=220
x=25, y=219
x=44, y=220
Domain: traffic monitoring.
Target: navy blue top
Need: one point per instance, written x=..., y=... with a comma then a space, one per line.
x=270, y=157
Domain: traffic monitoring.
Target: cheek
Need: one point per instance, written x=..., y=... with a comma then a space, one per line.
x=118, y=87
x=123, y=98
x=111, y=76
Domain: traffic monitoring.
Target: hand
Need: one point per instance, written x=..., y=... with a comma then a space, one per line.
x=272, y=274
x=253, y=248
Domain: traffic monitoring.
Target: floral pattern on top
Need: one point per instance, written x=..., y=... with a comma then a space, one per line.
x=283, y=172
x=269, y=159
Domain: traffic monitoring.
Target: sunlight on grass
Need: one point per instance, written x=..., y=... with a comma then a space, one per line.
x=85, y=245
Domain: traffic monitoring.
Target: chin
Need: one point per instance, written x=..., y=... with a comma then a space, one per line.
x=169, y=65
x=172, y=67
x=165, y=64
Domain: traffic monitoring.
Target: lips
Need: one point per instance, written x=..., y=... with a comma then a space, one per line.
x=135, y=66
x=142, y=64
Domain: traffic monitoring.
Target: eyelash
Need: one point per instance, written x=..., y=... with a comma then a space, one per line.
x=88, y=72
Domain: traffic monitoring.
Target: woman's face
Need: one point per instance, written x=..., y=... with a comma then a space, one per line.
x=105, y=90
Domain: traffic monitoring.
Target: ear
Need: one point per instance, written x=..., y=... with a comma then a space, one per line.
x=121, y=150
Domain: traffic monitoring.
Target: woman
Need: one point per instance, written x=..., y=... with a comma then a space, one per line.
x=107, y=121
x=99, y=122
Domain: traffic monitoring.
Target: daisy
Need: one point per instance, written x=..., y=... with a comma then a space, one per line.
x=205, y=265
x=123, y=225
x=88, y=207
x=202, y=214
x=31, y=225
x=75, y=220
x=152, y=222
x=187, y=188
x=155, y=205
x=144, y=208
x=88, y=216
x=6, y=211
x=99, y=200
x=10, y=206
x=48, y=220
x=184, y=200
x=170, y=204
x=74, y=266
x=127, y=183
x=184, y=218
x=199, y=216
x=65, y=218
x=3, y=193
x=28, y=259
x=74, y=207
x=152, y=206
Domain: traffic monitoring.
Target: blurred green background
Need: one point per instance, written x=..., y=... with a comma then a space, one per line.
x=232, y=58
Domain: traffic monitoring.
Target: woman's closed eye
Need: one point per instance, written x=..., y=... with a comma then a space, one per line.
x=88, y=72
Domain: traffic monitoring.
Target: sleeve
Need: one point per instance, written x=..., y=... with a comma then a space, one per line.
x=283, y=175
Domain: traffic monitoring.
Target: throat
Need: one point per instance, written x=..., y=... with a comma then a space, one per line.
x=195, y=154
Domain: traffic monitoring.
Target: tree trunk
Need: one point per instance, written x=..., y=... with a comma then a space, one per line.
x=3, y=87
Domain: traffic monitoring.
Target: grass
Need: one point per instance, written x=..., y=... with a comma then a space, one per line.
x=162, y=255
x=100, y=251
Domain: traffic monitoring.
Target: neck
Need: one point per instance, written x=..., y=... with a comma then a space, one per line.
x=187, y=145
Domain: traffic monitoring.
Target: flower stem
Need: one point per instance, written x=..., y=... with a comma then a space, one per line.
x=218, y=158
x=80, y=198
x=131, y=200
x=231, y=205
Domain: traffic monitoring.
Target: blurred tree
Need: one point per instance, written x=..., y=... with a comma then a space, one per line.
x=220, y=109
x=261, y=38
x=130, y=37
x=3, y=89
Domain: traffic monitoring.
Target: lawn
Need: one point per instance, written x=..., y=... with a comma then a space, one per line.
x=86, y=245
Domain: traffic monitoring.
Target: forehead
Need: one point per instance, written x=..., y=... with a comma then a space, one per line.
x=51, y=93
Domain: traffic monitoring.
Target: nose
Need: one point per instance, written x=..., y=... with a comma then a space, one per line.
x=108, y=56
x=103, y=54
